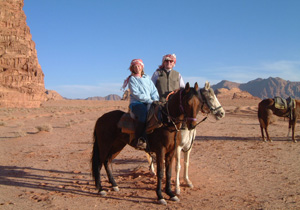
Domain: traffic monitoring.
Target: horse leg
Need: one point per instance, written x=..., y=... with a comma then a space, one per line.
x=96, y=166
x=168, y=167
x=262, y=133
x=262, y=126
x=293, y=130
x=186, y=168
x=110, y=175
x=290, y=126
x=267, y=133
x=159, y=174
x=177, y=170
x=187, y=160
x=151, y=165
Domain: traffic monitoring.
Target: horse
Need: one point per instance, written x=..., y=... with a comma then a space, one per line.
x=209, y=104
x=109, y=140
x=265, y=110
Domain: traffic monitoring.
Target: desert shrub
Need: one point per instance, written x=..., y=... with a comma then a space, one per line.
x=45, y=127
x=237, y=110
x=20, y=133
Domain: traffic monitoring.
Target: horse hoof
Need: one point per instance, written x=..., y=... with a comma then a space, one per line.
x=175, y=198
x=190, y=185
x=295, y=141
x=116, y=189
x=162, y=201
x=177, y=191
x=102, y=193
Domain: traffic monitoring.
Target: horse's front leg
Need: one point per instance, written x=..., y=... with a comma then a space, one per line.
x=186, y=168
x=177, y=170
x=159, y=168
x=110, y=176
x=168, y=166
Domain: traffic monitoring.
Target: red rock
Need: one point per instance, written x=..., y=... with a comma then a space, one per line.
x=21, y=76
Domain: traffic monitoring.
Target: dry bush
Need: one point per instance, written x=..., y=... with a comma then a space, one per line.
x=46, y=127
x=237, y=110
x=2, y=124
x=20, y=133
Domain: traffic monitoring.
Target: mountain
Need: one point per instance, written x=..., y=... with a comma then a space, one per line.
x=265, y=88
x=112, y=97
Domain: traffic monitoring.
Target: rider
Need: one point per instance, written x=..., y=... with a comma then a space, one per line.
x=142, y=93
x=165, y=78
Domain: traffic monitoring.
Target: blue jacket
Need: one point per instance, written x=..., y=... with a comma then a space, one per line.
x=142, y=90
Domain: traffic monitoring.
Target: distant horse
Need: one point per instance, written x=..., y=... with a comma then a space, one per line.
x=109, y=140
x=265, y=110
x=208, y=104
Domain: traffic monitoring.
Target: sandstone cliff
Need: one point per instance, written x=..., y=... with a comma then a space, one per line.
x=21, y=76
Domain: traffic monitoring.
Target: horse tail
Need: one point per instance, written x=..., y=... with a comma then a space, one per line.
x=95, y=160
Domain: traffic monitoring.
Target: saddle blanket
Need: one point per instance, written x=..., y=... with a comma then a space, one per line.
x=154, y=120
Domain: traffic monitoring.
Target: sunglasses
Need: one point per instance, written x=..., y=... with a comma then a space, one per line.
x=169, y=61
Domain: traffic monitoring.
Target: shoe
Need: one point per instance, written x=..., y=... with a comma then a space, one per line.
x=141, y=144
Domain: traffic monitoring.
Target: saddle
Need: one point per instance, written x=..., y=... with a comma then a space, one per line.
x=288, y=103
x=281, y=103
x=154, y=120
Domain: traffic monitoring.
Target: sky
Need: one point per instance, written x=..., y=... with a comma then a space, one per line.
x=85, y=46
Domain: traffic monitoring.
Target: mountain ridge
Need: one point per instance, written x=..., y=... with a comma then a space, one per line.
x=265, y=88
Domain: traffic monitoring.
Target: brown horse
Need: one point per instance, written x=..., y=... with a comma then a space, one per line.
x=265, y=110
x=109, y=140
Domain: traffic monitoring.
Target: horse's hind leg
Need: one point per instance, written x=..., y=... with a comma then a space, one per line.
x=110, y=175
x=96, y=168
x=262, y=126
x=293, y=123
x=267, y=133
x=262, y=133
x=151, y=165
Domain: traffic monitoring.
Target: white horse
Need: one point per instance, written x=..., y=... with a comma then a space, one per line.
x=209, y=104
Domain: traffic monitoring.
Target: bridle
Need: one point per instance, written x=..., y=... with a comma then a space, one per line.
x=173, y=119
x=204, y=101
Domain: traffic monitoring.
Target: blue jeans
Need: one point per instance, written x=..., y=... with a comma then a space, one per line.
x=139, y=109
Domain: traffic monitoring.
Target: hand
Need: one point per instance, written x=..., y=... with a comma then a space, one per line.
x=156, y=103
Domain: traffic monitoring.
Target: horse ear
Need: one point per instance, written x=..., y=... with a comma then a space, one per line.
x=207, y=85
x=187, y=87
x=196, y=86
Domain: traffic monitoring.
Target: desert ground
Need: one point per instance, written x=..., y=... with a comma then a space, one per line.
x=45, y=162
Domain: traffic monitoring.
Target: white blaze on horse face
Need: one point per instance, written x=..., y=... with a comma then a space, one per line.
x=213, y=103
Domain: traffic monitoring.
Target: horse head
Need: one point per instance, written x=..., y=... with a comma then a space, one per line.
x=190, y=104
x=210, y=103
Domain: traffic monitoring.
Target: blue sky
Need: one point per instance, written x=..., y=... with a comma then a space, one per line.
x=85, y=46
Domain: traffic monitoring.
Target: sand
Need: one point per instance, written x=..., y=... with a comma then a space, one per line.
x=45, y=162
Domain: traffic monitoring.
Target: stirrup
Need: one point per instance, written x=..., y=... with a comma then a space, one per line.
x=141, y=143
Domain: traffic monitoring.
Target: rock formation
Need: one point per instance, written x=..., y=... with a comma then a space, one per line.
x=233, y=93
x=21, y=76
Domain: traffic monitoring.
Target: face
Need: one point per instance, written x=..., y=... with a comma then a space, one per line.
x=137, y=69
x=169, y=64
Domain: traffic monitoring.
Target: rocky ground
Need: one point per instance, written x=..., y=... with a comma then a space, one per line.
x=45, y=162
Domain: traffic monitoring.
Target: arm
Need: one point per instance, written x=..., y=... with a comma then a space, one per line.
x=136, y=92
x=154, y=77
x=182, y=85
